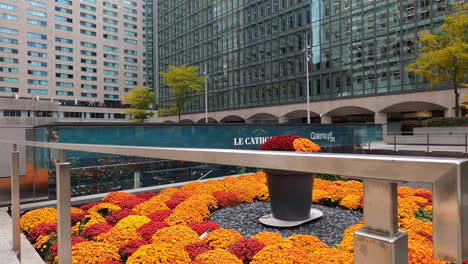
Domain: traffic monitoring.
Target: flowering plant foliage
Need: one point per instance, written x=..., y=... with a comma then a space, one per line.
x=196, y=249
x=130, y=202
x=91, y=252
x=200, y=228
x=159, y=253
x=174, y=234
x=290, y=143
x=217, y=256
x=128, y=249
x=246, y=248
x=160, y=215
x=114, y=217
x=147, y=230
x=116, y=197
x=222, y=238
x=39, y=216
x=91, y=231
x=146, y=195
x=41, y=230
x=178, y=235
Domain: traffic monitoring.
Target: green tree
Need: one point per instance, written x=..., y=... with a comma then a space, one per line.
x=443, y=56
x=139, y=100
x=184, y=82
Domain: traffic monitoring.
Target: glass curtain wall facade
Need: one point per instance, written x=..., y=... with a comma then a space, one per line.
x=254, y=49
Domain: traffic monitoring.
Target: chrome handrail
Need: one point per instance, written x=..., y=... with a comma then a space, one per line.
x=448, y=176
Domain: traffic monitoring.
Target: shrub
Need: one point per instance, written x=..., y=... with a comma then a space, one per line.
x=447, y=121
x=196, y=249
x=245, y=249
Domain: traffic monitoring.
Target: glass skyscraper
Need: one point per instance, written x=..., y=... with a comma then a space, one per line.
x=254, y=50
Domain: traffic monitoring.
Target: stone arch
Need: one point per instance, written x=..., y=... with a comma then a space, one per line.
x=210, y=120
x=412, y=106
x=351, y=114
x=232, y=119
x=263, y=118
x=186, y=121
x=300, y=116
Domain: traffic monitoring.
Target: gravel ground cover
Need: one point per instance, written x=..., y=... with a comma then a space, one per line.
x=329, y=228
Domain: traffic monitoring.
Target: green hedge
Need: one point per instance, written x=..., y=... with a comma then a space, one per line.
x=447, y=121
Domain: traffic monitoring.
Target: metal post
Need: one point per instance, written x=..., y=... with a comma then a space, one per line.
x=136, y=180
x=394, y=141
x=206, y=94
x=62, y=156
x=380, y=241
x=427, y=141
x=466, y=145
x=306, y=53
x=15, y=203
x=64, y=216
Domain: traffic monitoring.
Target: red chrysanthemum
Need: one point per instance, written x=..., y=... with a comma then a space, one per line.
x=86, y=207
x=160, y=215
x=226, y=199
x=118, y=215
x=146, y=195
x=172, y=203
x=147, y=230
x=200, y=228
x=75, y=240
x=130, y=202
x=196, y=249
x=128, y=249
x=91, y=231
x=76, y=217
x=281, y=143
x=41, y=230
x=245, y=249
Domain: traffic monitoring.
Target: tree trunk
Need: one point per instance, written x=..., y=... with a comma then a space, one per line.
x=457, y=98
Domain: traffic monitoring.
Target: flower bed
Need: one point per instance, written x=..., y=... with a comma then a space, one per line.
x=172, y=226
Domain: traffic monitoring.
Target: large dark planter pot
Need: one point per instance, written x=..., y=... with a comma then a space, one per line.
x=290, y=198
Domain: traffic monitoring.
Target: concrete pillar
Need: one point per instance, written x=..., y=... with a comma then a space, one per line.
x=282, y=119
x=325, y=119
x=381, y=119
x=449, y=112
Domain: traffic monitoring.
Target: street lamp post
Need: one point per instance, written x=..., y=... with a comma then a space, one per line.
x=205, y=73
x=307, y=55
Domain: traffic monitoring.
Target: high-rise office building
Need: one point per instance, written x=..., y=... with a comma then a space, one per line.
x=82, y=57
x=255, y=54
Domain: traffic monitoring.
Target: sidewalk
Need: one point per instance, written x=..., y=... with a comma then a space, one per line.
x=7, y=256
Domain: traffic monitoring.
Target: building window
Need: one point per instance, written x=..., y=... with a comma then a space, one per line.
x=110, y=80
x=8, y=17
x=110, y=21
x=64, y=19
x=37, y=73
x=64, y=49
x=109, y=5
x=88, y=78
x=109, y=48
x=36, y=13
x=88, y=95
x=87, y=61
x=131, y=41
x=63, y=10
x=88, y=44
x=109, y=13
x=8, y=7
x=7, y=112
x=8, y=41
x=37, y=4
x=88, y=16
x=88, y=53
x=37, y=45
x=9, y=70
x=33, y=63
x=87, y=24
x=86, y=69
x=37, y=91
x=110, y=72
x=88, y=86
x=36, y=22
x=9, y=31
x=9, y=80
x=63, y=66
x=109, y=36
x=64, y=58
x=111, y=88
x=131, y=3
x=8, y=89
x=64, y=93
x=64, y=84
x=8, y=50
x=111, y=96
x=37, y=54
x=64, y=75
x=87, y=7
x=88, y=32
x=65, y=2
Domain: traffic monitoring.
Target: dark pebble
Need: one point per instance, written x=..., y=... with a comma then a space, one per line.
x=329, y=228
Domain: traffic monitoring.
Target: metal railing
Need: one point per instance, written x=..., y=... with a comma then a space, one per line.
x=379, y=241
